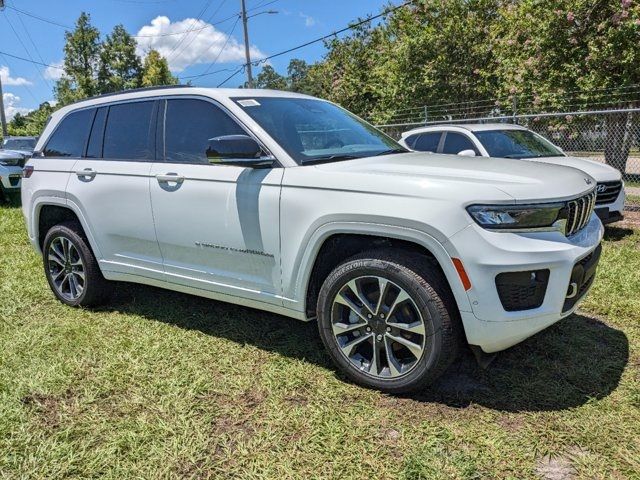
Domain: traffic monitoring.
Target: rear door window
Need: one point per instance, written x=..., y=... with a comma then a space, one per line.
x=70, y=138
x=427, y=142
x=454, y=143
x=129, y=133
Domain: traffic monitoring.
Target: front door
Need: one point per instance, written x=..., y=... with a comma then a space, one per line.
x=217, y=226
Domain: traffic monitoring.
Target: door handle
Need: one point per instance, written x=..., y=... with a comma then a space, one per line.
x=86, y=174
x=170, y=177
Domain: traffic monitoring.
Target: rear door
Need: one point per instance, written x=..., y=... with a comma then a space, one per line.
x=110, y=185
x=218, y=225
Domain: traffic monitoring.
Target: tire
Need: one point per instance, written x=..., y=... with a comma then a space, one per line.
x=91, y=291
x=427, y=299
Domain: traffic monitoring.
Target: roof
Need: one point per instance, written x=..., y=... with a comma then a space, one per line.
x=472, y=127
x=215, y=93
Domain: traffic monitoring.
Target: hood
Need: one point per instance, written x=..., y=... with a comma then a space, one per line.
x=601, y=172
x=10, y=157
x=466, y=177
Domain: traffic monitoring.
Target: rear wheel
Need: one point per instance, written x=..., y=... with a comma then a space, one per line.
x=388, y=320
x=71, y=268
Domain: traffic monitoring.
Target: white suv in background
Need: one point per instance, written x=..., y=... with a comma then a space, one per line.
x=290, y=204
x=503, y=140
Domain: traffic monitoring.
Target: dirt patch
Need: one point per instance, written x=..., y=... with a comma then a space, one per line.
x=555, y=468
x=631, y=220
x=50, y=408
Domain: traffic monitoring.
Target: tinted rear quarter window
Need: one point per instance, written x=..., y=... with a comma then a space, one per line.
x=427, y=142
x=94, y=149
x=70, y=137
x=129, y=134
x=454, y=143
x=189, y=125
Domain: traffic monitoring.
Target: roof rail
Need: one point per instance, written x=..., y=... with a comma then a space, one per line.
x=131, y=90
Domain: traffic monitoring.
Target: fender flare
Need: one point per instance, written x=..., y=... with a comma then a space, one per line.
x=442, y=252
x=45, y=200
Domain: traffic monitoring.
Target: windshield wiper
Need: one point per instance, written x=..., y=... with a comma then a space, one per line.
x=390, y=151
x=330, y=158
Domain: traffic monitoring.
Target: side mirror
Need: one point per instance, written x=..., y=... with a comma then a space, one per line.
x=467, y=153
x=239, y=150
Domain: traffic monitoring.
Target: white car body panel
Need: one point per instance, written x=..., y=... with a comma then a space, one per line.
x=251, y=236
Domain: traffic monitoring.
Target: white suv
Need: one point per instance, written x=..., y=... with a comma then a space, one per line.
x=513, y=141
x=290, y=204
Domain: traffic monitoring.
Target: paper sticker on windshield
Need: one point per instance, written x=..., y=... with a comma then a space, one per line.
x=249, y=102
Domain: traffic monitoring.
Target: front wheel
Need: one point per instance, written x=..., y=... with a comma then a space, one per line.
x=388, y=320
x=71, y=268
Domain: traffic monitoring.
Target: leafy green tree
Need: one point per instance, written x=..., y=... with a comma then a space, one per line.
x=433, y=52
x=32, y=123
x=156, y=71
x=120, y=67
x=269, y=78
x=547, y=49
x=81, y=61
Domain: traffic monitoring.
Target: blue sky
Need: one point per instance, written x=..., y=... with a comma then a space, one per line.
x=200, y=50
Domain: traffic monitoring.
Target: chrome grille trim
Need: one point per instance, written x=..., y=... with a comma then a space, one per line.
x=579, y=212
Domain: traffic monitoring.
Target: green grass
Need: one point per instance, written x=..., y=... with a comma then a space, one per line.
x=164, y=385
x=633, y=199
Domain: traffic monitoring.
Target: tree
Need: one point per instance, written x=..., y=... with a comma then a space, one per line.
x=120, y=67
x=269, y=78
x=547, y=49
x=433, y=52
x=81, y=60
x=156, y=71
x=32, y=123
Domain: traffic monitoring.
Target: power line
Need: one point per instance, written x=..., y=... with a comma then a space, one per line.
x=206, y=5
x=42, y=19
x=32, y=43
x=206, y=72
x=320, y=39
x=17, y=57
x=27, y=52
x=197, y=34
x=167, y=34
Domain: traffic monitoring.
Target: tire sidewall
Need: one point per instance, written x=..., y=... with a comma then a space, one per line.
x=427, y=365
x=79, y=244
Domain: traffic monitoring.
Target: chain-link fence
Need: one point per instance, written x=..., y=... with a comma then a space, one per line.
x=609, y=136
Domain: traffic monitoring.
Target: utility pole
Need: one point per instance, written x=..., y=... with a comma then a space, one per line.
x=247, y=54
x=3, y=119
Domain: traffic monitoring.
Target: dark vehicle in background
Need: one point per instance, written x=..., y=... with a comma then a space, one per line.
x=14, y=152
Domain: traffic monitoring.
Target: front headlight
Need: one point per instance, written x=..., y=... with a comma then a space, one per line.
x=517, y=217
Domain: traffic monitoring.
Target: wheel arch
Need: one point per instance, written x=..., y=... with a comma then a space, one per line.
x=333, y=243
x=49, y=211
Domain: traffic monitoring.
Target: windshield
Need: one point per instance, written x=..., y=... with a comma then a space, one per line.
x=19, y=144
x=313, y=131
x=516, y=144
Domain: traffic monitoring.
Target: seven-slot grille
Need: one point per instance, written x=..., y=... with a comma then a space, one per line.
x=579, y=212
x=607, y=192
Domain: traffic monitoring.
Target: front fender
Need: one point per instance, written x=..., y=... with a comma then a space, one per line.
x=295, y=285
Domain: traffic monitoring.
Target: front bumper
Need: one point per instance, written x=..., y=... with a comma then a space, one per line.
x=487, y=254
x=10, y=178
x=612, y=212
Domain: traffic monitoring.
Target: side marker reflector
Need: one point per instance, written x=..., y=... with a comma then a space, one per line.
x=464, y=278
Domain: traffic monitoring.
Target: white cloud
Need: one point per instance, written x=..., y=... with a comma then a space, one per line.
x=7, y=79
x=202, y=45
x=10, y=106
x=54, y=72
x=309, y=21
